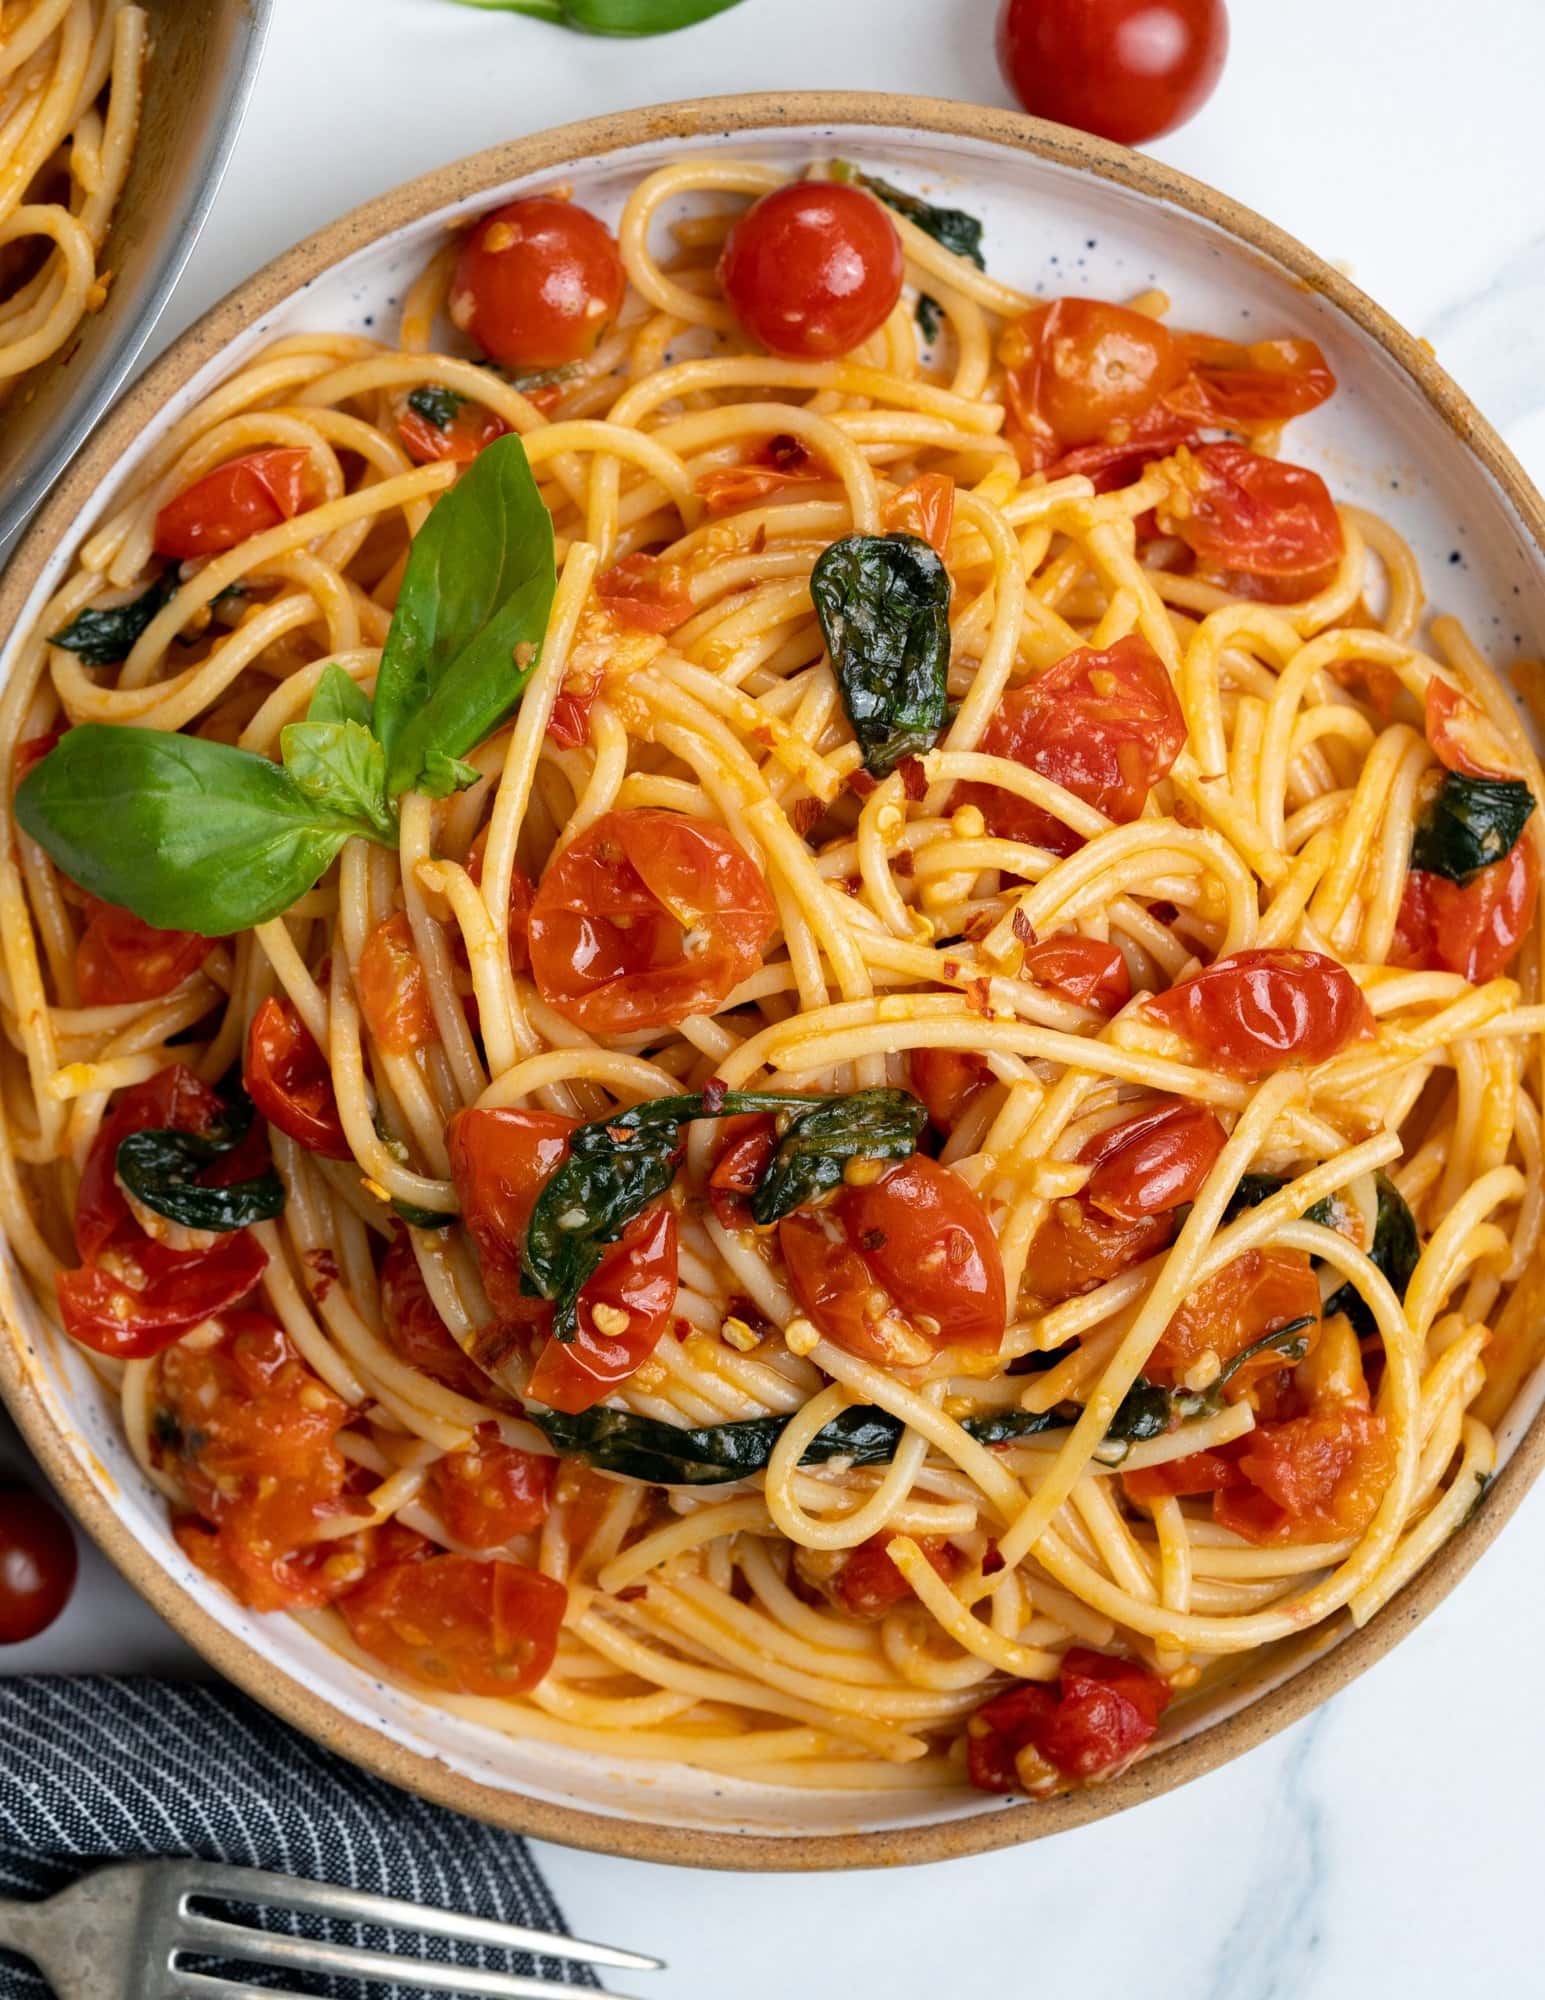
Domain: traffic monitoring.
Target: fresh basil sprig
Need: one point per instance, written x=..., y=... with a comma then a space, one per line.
x=883, y=602
x=161, y=1169
x=103, y=638
x=954, y=228
x=1471, y=823
x=612, y=17
x=335, y=757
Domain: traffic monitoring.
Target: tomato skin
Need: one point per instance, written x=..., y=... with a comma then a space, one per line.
x=38, y=1562
x=1250, y=1297
x=812, y=269
x=1157, y=435
x=537, y=283
x=471, y=430
x=1077, y=1248
x=747, y=1146
x=636, y=1276
x=460, y=1625
x=500, y=1161
x=925, y=508
x=491, y=1492
x=1084, y=970
x=1258, y=386
x=393, y=991
x=1106, y=726
x=120, y=959
x=1463, y=738
x=948, y=1081
x=1258, y=1011
x=1184, y=1478
x=1153, y=1163
x=612, y=913
x=1102, y=1713
x=1473, y=928
x=1270, y=529
x=1128, y=70
x=416, y=1332
x=244, y=497
x=1313, y=1478
x=868, y=1584
x=1080, y=372
x=287, y=1077
x=645, y=593
x=783, y=462
x=915, y=1246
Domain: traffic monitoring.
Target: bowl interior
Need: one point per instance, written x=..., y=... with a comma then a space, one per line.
x=1052, y=227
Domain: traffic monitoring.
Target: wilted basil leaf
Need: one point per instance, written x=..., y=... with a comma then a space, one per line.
x=883, y=602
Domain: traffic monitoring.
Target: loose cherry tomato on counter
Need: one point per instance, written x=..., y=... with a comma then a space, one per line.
x=1464, y=738
x=244, y=497
x=1258, y=1011
x=491, y=1492
x=1269, y=530
x=1154, y=1163
x=948, y=1081
x=1128, y=70
x=813, y=269
x=1037, y=1739
x=1080, y=372
x=537, y=283
x=287, y=1077
x=38, y=1562
x=864, y=1582
x=901, y=1269
x=1258, y=386
x=460, y=1625
x=393, y=991
x=469, y=428
x=1473, y=928
x=1085, y=970
x=646, y=917
x=1252, y=1296
x=1106, y=726
x=417, y=1334
x=120, y=959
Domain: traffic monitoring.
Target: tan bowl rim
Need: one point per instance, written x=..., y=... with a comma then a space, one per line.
x=244, y=1664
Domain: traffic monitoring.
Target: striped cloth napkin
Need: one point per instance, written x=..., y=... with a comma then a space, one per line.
x=97, y=1770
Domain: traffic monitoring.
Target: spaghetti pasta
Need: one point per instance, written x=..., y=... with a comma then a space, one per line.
x=926, y=1132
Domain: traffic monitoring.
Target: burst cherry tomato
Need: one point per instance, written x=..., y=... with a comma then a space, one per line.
x=459, y=1625
x=415, y=1330
x=1313, y=1478
x=948, y=1080
x=1080, y=372
x=925, y=508
x=471, y=428
x=537, y=283
x=1260, y=1010
x=1154, y=1163
x=747, y=1145
x=866, y=1583
x=896, y=1271
x=812, y=269
x=646, y=917
x=783, y=462
x=1464, y=739
x=1077, y=1248
x=37, y=1564
x=120, y=959
x=1248, y=388
x=1473, y=928
x=1104, y=725
x=1128, y=70
x=645, y=593
x=1038, y=1740
x=489, y=1493
x=1185, y=1478
x=501, y=1160
x=1255, y=1295
x=244, y=497
x=287, y=1077
x=1269, y=529
x=1081, y=969
x=393, y=992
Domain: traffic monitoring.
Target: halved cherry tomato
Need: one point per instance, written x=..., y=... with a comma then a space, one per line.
x=866, y=1584
x=460, y=1625
x=500, y=1161
x=1106, y=726
x=646, y=917
x=38, y=1562
x=632, y=1289
x=1154, y=1163
x=1246, y=387
x=1081, y=969
x=120, y=959
x=782, y=462
x=537, y=283
x=1258, y=1011
x=645, y=593
x=1473, y=928
x=925, y=508
x=948, y=1080
x=1311, y=1479
x=1252, y=1296
x=812, y=269
x=393, y=992
x=1269, y=529
x=1464, y=738
x=896, y=1271
x=1081, y=372
x=287, y=1077
x=1035, y=1739
x=471, y=429
x=1126, y=69
x=1120, y=462
x=244, y=497
x=489, y=1493
x=416, y=1332
x=1076, y=1249
x=746, y=1150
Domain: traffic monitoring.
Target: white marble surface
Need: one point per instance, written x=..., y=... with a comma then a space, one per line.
x=1390, y=1843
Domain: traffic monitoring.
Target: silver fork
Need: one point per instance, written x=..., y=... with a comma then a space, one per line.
x=118, y=1934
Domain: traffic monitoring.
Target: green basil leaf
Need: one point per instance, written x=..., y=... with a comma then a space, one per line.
x=104, y=638
x=161, y=1169
x=1471, y=823
x=814, y=1152
x=436, y=405
x=1144, y=1412
x=1396, y=1249
x=883, y=602
x=471, y=616
x=612, y=17
x=339, y=698
x=1253, y=1189
x=189, y=835
x=422, y=1218
x=340, y=767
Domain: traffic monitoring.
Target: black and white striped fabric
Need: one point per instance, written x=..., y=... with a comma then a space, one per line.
x=95, y=1770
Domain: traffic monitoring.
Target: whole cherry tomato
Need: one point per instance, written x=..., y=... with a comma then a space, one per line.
x=121, y=959
x=1260, y=1010
x=1249, y=1298
x=1104, y=725
x=1080, y=372
x=491, y=1492
x=287, y=1077
x=393, y=992
x=1473, y=928
x=37, y=1564
x=244, y=497
x=900, y=1269
x=812, y=269
x=470, y=428
x=1269, y=529
x=1153, y=1163
x=1084, y=970
x=1037, y=1739
x=1126, y=69
x=460, y=1625
x=644, y=918
x=537, y=283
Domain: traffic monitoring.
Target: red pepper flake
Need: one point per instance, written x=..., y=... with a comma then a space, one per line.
x=992, y=1560
x=903, y=864
x=913, y=782
x=978, y=926
x=631, y=1592
x=714, y=1091
x=952, y=968
x=786, y=454
x=804, y=814
x=861, y=782
x=681, y=1328
x=1023, y=929
x=978, y=996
